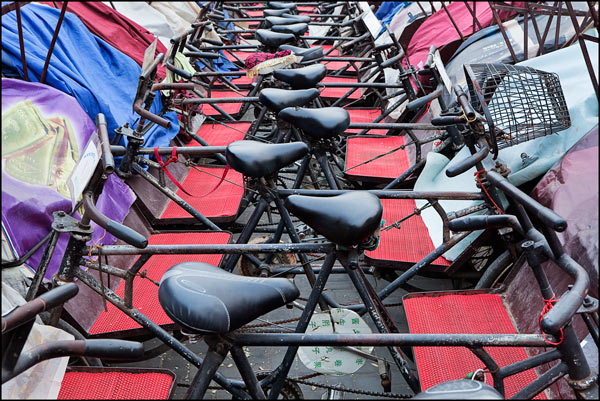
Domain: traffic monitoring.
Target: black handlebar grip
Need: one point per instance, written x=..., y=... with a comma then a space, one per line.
x=423, y=100
x=467, y=163
x=472, y=223
x=213, y=42
x=179, y=71
x=548, y=216
x=205, y=55
x=108, y=162
x=126, y=234
x=447, y=120
x=114, y=349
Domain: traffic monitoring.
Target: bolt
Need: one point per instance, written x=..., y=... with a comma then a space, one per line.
x=60, y=225
x=61, y=213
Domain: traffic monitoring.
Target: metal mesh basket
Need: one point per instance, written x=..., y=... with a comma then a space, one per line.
x=519, y=103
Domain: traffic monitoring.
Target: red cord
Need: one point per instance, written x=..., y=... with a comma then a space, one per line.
x=174, y=158
x=485, y=190
x=549, y=303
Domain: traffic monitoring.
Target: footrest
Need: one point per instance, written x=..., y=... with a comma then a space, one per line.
x=220, y=206
x=230, y=108
x=221, y=135
x=145, y=292
x=339, y=92
x=364, y=116
x=360, y=149
x=472, y=312
x=85, y=383
x=402, y=248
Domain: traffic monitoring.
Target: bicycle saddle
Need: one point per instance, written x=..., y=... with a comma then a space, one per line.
x=323, y=123
x=275, y=13
x=278, y=99
x=255, y=159
x=304, y=77
x=280, y=21
x=297, y=18
x=460, y=390
x=273, y=39
x=295, y=29
x=346, y=219
x=281, y=4
x=206, y=299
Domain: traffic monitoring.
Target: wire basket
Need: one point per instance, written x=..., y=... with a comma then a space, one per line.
x=519, y=103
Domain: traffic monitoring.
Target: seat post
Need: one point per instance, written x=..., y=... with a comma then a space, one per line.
x=217, y=351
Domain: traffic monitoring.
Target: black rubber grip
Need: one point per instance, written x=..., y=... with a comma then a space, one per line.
x=548, y=216
x=205, y=55
x=472, y=223
x=114, y=349
x=179, y=71
x=213, y=42
x=59, y=295
x=468, y=162
x=126, y=234
x=447, y=120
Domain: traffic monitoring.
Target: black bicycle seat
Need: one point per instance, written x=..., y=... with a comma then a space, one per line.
x=323, y=123
x=273, y=39
x=280, y=21
x=278, y=99
x=255, y=159
x=282, y=4
x=206, y=299
x=295, y=29
x=346, y=219
x=301, y=78
x=275, y=13
x=297, y=18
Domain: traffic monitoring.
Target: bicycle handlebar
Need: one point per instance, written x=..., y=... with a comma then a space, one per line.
x=120, y=231
x=179, y=71
x=108, y=162
x=468, y=162
x=546, y=215
x=44, y=302
x=423, y=100
x=472, y=223
x=148, y=115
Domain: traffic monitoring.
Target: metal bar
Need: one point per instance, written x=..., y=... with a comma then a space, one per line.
x=504, y=35
x=462, y=38
x=413, y=126
x=192, y=151
x=586, y=55
x=542, y=382
x=411, y=339
x=220, y=100
x=21, y=41
x=390, y=194
x=54, y=37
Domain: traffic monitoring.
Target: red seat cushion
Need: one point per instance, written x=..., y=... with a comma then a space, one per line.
x=221, y=135
x=339, y=92
x=361, y=149
x=410, y=243
x=145, y=293
x=469, y=314
x=223, y=202
x=115, y=385
x=230, y=108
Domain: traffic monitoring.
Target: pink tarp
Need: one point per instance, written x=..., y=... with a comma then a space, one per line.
x=438, y=29
x=113, y=27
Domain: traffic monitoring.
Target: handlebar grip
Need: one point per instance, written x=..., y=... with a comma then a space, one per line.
x=120, y=231
x=546, y=215
x=108, y=162
x=423, y=100
x=44, y=302
x=152, y=117
x=205, y=55
x=468, y=162
x=179, y=71
x=213, y=42
x=114, y=349
x=447, y=120
x=472, y=223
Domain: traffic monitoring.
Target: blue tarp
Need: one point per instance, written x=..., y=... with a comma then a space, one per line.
x=388, y=9
x=101, y=78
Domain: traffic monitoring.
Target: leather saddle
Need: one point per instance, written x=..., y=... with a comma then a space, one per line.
x=297, y=29
x=273, y=39
x=255, y=159
x=323, y=123
x=346, y=219
x=205, y=299
x=278, y=99
x=304, y=77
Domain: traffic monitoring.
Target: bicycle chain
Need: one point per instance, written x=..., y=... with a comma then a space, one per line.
x=338, y=387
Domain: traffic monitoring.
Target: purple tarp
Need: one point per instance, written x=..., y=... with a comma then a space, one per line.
x=44, y=135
